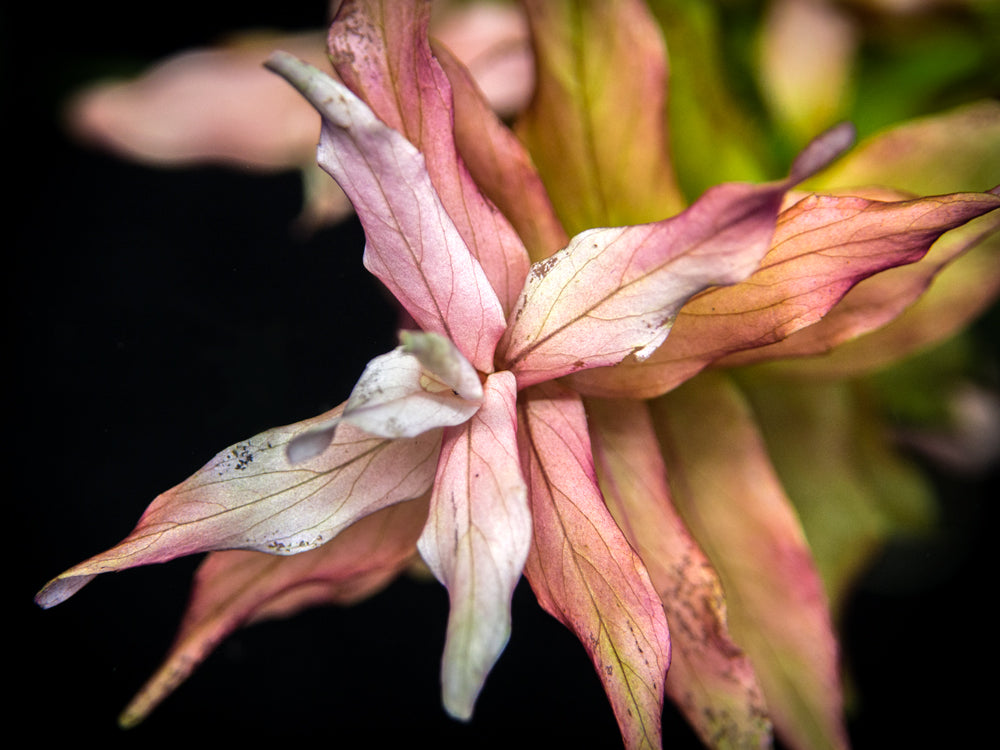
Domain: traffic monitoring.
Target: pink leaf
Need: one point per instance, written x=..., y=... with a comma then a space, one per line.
x=207, y=105
x=236, y=587
x=581, y=566
x=710, y=677
x=250, y=497
x=724, y=486
x=412, y=245
x=500, y=164
x=476, y=540
x=381, y=52
x=615, y=292
x=823, y=245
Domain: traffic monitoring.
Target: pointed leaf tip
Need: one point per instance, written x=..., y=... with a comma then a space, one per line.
x=822, y=150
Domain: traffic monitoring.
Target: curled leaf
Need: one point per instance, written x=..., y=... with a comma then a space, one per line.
x=424, y=384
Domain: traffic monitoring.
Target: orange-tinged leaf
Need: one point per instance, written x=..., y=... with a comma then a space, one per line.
x=710, y=677
x=250, y=497
x=951, y=152
x=581, y=567
x=380, y=50
x=476, y=540
x=730, y=498
x=903, y=310
x=823, y=246
x=412, y=245
x=236, y=587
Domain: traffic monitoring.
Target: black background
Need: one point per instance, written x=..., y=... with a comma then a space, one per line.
x=155, y=317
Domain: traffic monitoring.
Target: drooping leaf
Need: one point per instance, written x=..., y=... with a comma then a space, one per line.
x=597, y=124
x=380, y=50
x=823, y=245
x=236, y=587
x=581, y=567
x=731, y=500
x=250, y=497
x=476, y=540
x=408, y=230
x=612, y=293
x=710, y=677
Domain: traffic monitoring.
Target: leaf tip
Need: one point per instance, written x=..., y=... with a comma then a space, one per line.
x=822, y=150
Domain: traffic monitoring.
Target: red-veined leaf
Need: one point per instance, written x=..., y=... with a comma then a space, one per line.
x=380, y=50
x=823, y=245
x=412, y=244
x=581, y=567
x=250, y=497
